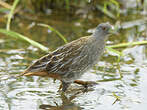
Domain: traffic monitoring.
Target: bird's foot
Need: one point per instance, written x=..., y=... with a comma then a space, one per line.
x=86, y=84
x=63, y=87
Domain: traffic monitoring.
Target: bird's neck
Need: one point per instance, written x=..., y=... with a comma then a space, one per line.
x=98, y=38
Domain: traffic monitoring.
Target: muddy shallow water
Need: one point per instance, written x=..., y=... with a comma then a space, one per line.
x=35, y=93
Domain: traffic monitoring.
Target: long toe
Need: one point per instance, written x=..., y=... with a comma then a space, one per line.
x=85, y=83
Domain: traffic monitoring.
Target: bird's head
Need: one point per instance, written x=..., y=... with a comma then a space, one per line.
x=103, y=30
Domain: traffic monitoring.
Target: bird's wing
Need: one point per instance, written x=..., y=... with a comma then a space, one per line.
x=57, y=61
x=39, y=65
x=63, y=57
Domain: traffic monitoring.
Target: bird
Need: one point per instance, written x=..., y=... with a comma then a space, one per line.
x=69, y=62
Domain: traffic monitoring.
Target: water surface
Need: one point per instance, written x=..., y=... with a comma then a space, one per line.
x=35, y=93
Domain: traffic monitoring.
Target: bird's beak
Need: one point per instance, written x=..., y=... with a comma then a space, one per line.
x=113, y=30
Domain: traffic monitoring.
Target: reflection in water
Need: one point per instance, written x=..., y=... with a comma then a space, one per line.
x=28, y=93
x=67, y=104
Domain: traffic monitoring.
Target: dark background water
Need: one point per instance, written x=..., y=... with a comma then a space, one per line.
x=34, y=93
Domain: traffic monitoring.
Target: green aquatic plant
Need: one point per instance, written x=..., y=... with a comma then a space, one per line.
x=22, y=37
x=119, y=55
x=11, y=14
x=54, y=30
x=105, y=11
x=117, y=6
x=117, y=98
x=67, y=4
x=113, y=5
x=3, y=10
x=128, y=44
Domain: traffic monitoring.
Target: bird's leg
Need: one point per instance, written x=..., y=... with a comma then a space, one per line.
x=64, y=86
x=86, y=84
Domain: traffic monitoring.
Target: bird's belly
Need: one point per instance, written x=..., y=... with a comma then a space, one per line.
x=83, y=65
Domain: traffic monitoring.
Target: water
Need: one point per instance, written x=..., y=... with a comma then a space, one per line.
x=35, y=93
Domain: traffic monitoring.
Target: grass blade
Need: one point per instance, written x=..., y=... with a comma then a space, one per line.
x=22, y=37
x=3, y=10
x=122, y=45
x=11, y=14
x=57, y=32
x=67, y=4
x=105, y=11
x=117, y=53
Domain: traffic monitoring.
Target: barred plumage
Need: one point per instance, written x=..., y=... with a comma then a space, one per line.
x=69, y=62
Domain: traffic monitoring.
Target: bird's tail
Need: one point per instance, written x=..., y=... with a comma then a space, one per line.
x=16, y=76
x=21, y=74
x=27, y=73
x=35, y=73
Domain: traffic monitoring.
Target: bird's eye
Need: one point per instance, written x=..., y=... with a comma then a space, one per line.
x=104, y=28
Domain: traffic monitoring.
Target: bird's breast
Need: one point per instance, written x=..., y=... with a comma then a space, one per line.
x=88, y=57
